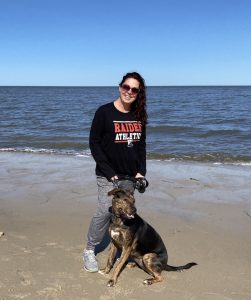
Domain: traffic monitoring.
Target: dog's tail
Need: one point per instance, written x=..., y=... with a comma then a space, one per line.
x=180, y=268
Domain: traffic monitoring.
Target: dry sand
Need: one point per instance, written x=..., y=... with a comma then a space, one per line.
x=202, y=212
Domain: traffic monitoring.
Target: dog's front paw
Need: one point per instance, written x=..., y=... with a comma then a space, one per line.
x=111, y=283
x=104, y=271
x=148, y=281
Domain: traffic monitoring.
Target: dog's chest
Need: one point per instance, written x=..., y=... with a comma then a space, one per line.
x=115, y=233
x=119, y=235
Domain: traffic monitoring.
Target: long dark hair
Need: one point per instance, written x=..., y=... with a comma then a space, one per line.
x=139, y=105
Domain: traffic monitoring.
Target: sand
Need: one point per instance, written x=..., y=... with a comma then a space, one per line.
x=202, y=212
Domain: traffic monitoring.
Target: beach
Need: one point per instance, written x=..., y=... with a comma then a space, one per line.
x=201, y=210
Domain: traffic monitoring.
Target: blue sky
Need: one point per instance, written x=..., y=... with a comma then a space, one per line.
x=86, y=43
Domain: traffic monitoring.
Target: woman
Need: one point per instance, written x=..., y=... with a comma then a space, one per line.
x=117, y=143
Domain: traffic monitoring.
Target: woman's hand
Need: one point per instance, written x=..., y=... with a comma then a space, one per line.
x=114, y=178
x=138, y=175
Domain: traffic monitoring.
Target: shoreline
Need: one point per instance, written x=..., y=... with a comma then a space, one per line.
x=213, y=158
x=202, y=212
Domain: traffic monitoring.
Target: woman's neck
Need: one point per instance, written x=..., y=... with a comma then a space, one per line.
x=122, y=107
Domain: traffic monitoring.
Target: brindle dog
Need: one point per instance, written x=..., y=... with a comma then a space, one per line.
x=136, y=239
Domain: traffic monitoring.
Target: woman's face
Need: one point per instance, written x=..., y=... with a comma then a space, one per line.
x=129, y=91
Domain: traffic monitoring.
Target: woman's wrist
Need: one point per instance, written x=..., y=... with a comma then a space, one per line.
x=114, y=178
x=138, y=175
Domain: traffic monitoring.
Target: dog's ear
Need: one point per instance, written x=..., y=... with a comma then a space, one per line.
x=114, y=192
x=120, y=193
x=130, y=194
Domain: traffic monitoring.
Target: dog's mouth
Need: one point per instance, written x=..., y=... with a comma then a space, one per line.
x=119, y=212
x=125, y=215
x=129, y=216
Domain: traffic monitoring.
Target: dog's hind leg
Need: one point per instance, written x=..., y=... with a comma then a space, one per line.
x=152, y=266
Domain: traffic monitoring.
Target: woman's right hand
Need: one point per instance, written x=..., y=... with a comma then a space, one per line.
x=114, y=178
x=115, y=181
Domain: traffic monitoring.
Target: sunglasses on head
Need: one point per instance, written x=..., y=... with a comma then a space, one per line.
x=127, y=88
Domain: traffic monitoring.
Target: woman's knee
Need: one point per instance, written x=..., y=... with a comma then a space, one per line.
x=102, y=212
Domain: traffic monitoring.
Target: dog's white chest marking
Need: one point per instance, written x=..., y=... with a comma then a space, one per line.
x=114, y=233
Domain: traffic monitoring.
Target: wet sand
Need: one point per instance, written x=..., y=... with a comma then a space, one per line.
x=202, y=212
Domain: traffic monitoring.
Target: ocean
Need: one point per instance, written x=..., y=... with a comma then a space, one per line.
x=206, y=124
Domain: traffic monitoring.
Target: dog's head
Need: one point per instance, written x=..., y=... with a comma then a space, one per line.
x=123, y=203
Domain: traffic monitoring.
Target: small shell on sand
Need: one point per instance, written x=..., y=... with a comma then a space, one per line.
x=1, y=233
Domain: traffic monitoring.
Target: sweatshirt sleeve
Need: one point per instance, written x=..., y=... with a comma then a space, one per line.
x=142, y=153
x=95, y=142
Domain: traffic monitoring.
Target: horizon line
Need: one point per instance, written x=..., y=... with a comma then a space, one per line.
x=182, y=85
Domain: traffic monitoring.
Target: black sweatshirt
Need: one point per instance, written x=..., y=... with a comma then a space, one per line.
x=117, y=143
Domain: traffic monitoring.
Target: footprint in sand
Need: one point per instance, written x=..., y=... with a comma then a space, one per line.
x=50, y=292
x=64, y=275
x=54, y=245
x=39, y=251
x=26, y=278
x=17, y=296
x=25, y=250
x=21, y=237
x=6, y=259
x=51, y=244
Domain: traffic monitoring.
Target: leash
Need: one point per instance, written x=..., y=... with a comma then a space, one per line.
x=139, y=184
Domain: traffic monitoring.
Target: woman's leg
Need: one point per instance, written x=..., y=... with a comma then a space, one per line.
x=101, y=219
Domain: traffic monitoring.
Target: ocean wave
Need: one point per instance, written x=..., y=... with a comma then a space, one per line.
x=216, y=158
x=47, y=151
x=168, y=129
x=221, y=133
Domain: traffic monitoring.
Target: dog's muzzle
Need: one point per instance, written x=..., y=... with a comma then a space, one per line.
x=122, y=214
